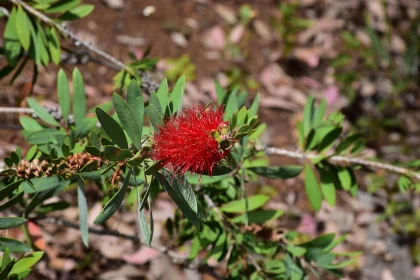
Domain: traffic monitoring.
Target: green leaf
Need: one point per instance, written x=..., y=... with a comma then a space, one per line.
x=205, y=180
x=254, y=107
x=312, y=188
x=62, y=6
x=328, y=187
x=231, y=106
x=45, y=58
x=41, y=112
x=31, y=152
x=63, y=92
x=136, y=103
x=344, y=175
x=15, y=158
x=13, y=245
x=128, y=118
x=282, y=172
x=87, y=125
x=79, y=97
x=177, y=95
x=29, y=124
x=40, y=184
x=155, y=111
x=26, y=262
x=333, y=244
x=11, y=201
x=321, y=242
x=340, y=265
x=308, y=115
x=115, y=154
x=12, y=47
x=41, y=196
x=220, y=92
x=114, y=203
x=44, y=136
x=54, y=45
x=195, y=248
x=182, y=194
x=238, y=206
x=163, y=93
x=144, y=227
x=296, y=251
x=22, y=28
x=6, y=270
x=219, y=249
x=112, y=128
x=9, y=189
x=5, y=259
x=320, y=113
x=11, y=222
x=83, y=212
x=277, y=267
x=240, y=116
x=347, y=142
x=258, y=216
x=78, y=12
x=329, y=139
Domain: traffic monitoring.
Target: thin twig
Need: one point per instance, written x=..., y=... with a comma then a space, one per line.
x=16, y=110
x=4, y=11
x=345, y=160
x=68, y=33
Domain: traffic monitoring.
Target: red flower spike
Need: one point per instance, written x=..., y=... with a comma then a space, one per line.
x=192, y=141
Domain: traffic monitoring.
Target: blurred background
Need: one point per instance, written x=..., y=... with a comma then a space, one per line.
x=362, y=56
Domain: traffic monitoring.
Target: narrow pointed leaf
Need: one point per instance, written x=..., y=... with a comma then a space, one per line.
x=163, y=93
x=22, y=28
x=173, y=190
x=114, y=203
x=63, y=92
x=79, y=97
x=128, y=119
x=26, y=262
x=312, y=188
x=282, y=172
x=136, y=103
x=155, y=111
x=83, y=212
x=42, y=113
x=177, y=95
x=11, y=222
x=13, y=245
x=328, y=187
x=112, y=128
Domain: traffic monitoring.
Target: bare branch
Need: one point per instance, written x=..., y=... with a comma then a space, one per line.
x=16, y=110
x=345, y=160
x=4, y=11
x=68, y=33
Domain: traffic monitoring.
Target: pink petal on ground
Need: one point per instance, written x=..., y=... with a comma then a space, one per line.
x=307, y=225
x=417, y=272
x=332, y=94
x=215, y=38
x=142, y=256
x=34, y=229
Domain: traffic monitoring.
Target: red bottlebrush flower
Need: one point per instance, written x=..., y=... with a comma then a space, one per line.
x=192, y=141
